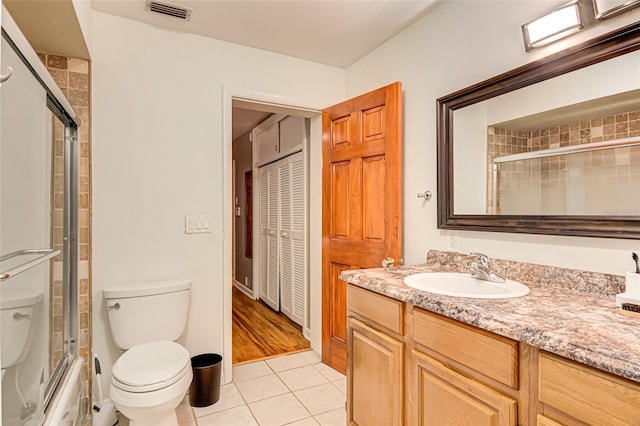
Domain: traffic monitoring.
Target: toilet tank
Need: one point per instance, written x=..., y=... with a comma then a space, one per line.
x=145, y=312
x=19, y=318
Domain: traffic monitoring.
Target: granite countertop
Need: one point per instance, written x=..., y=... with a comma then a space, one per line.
x=587, y=328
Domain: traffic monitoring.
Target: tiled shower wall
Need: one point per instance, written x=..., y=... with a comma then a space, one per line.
x=542, y=183
x=73, y=76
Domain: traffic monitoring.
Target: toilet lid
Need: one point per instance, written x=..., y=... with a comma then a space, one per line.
x=151, y=364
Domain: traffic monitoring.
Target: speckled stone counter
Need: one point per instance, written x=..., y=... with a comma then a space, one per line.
x=579, y=322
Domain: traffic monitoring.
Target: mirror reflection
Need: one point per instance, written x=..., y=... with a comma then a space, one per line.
x=33, y=254
x=569, y=145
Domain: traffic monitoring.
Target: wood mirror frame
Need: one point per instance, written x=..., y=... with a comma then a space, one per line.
x=608, y=46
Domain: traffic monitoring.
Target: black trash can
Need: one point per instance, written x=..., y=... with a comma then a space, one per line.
x=205, y=386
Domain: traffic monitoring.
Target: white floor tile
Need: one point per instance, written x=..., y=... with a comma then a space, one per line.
x=309, y=421
x=122, y=420
x=229, y=398
x=329, y=372
x=251, y=371
x=278, y=410
x=191, y=422
x=301, y=378
x=311, y=357
x=332, y=418
x=261, y=388
x=287, y=362
x=341, y=385
x=238, y=416
x=184, y=412
x=320, y=399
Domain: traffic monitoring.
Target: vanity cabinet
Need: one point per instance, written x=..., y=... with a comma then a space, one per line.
x=410, y=366
x=574, y=394
x=407, y=366
x=375, y=383
x=461, y=375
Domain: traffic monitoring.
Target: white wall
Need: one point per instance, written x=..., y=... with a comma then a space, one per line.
x=470, y=153
x=159, y=154
x=85, y=16
x=458, y=44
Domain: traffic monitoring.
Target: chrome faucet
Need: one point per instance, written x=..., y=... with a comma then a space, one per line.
x=482, y=270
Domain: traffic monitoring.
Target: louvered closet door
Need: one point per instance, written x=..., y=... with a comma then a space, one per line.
x=292, y=238
x=269, y=269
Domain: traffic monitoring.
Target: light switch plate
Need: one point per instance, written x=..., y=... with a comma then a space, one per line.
x=197, y=224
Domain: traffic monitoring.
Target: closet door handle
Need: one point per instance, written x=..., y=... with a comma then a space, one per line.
x=284, y=235
x=272, y=233
x=5, y=77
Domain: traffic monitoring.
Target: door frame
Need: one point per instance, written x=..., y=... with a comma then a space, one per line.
x=289, y=105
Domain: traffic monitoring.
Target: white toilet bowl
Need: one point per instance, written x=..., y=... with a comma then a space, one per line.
x=149, y=381
x=152, y=377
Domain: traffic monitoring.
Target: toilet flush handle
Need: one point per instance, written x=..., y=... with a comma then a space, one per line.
x=115, y=306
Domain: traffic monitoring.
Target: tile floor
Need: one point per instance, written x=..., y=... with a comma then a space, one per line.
x=295, y=389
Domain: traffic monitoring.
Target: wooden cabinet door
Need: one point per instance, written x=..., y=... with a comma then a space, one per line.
x=361, y=200
x=375, y=384
x=293, y=132
x=588, y=395
x=442, y=396
x=268, y=143
x=546, y=421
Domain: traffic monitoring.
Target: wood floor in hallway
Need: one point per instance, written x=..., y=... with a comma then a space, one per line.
x=260, y=332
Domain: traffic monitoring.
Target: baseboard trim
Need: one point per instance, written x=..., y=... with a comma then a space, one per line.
x=237, y=284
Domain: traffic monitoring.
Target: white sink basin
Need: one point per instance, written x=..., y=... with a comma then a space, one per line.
x=464, y=285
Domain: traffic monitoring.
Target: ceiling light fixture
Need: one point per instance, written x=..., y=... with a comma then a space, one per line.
x=559, y=23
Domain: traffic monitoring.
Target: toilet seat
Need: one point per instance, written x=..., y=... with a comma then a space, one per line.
x=150, y=366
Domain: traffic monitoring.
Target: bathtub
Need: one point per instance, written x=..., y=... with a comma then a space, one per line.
x=66, y=408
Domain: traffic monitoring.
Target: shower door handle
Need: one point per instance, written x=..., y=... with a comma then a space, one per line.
x=5, y=77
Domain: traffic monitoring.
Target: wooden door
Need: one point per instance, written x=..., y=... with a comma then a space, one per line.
x=375, y=384
x=361, y=200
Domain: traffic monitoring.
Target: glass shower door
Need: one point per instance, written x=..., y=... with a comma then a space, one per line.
x=35, y=243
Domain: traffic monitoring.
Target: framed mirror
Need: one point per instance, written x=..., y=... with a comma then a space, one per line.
x=607, y=8
x=552, y=147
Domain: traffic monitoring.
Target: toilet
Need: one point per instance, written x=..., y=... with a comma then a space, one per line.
x=19, y=312
x=152, y=377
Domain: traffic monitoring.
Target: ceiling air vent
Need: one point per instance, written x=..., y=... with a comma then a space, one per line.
x=168, y=9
